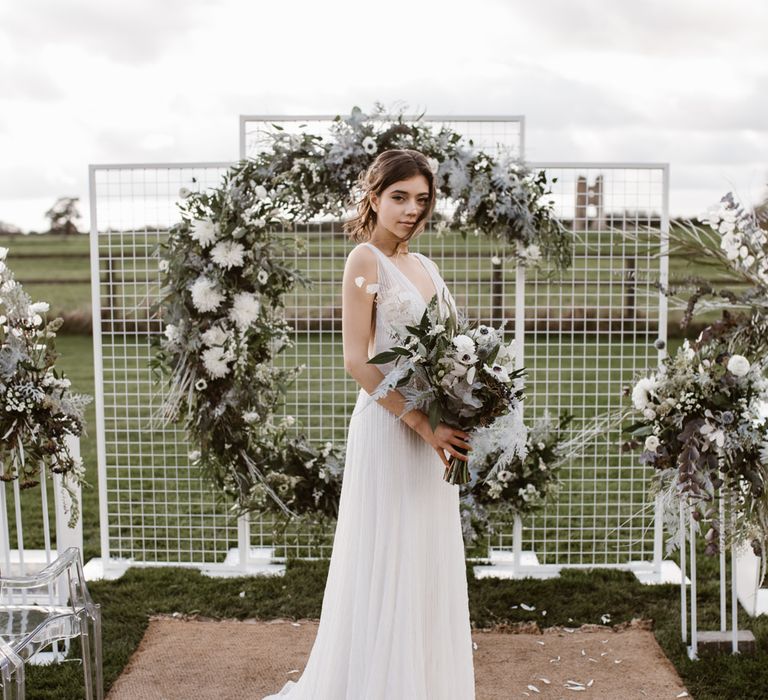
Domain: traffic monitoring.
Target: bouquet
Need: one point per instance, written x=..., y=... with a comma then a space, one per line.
x=704, y=430
x=37, y=409
x=461, y=375
x=525, y=485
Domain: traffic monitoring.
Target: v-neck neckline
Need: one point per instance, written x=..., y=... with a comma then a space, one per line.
x=408, y=279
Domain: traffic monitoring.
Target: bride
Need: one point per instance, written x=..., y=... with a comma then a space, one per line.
x=395, y=622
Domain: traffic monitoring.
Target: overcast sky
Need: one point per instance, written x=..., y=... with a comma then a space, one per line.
x=101, y=81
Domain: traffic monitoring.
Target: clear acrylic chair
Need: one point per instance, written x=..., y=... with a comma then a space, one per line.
x=49, y=609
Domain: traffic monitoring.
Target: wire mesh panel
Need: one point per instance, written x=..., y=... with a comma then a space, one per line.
x=154, y=508
x=322, y=398
x=588, y=334
x=486, y=132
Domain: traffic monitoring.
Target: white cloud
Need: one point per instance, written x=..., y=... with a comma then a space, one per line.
x=89, y=81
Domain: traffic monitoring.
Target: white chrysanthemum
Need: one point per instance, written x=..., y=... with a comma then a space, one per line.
x=215, y=360
x=369, y=144
x=215, y=335
x=245, y=309
x=205, y=295
x=642, y=391
x=203, y=231
x=651, y=443
x=738, y=365
x=228, y=254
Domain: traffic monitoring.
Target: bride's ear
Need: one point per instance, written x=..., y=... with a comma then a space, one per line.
x=375, y=202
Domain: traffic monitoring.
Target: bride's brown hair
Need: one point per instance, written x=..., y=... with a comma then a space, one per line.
x=389, y=167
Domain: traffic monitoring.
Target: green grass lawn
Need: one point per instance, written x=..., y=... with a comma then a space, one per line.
x=563, y=372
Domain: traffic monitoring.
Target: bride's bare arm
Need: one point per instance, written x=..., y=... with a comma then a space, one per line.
x=356, y=328
x=357, y=331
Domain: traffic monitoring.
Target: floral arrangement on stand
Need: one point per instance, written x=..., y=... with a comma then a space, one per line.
x=704, y=429
x=224, y=277
x=704, y=411
x=37, y=408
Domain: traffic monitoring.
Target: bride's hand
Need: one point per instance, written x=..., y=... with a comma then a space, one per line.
x=445, y=437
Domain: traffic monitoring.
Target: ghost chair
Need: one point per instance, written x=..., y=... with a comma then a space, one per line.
x=49, y=609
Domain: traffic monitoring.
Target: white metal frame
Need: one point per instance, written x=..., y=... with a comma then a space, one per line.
x=246, y=119
x=521, y=562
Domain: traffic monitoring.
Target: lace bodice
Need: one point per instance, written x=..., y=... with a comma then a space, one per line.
x=399, y=302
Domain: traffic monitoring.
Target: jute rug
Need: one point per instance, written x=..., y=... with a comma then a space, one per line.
x=183, y=658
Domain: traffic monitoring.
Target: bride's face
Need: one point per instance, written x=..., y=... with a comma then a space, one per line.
x=401, y=204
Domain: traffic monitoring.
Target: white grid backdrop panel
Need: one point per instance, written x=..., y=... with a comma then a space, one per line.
x=155, y=507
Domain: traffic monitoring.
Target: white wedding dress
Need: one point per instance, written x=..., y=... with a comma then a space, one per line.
x=395, y=615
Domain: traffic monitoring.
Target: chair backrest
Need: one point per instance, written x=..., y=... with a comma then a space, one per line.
x=28, y=540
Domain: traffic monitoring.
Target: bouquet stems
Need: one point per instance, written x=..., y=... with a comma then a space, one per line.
x=457, y=471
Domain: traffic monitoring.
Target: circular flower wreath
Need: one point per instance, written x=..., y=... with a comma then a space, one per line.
x=225, y=274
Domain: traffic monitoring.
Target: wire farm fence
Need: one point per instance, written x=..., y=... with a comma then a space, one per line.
x=584, y=336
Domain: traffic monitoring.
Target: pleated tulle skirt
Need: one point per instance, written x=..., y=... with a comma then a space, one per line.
x=394, y=623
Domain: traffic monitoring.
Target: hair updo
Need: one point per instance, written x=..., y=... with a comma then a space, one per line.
x=389, y=167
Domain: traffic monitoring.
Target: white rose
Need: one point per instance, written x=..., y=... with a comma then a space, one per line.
x=651, y=443
x=261, y=191
x=738, y=365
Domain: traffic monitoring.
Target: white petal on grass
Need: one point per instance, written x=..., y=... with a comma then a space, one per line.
x=542, y=643
x=605, y=619
x=533, y=688
x=684, y=694
x=591, y=681
x=545, y=680
x=527, y=607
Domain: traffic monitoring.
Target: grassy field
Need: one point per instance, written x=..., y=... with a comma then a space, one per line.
x=563, y=370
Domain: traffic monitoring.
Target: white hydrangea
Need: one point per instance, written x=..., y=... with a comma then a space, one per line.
x=205, y=295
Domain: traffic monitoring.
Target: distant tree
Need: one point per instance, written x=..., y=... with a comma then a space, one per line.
x=63, y=215
x=9, y=229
